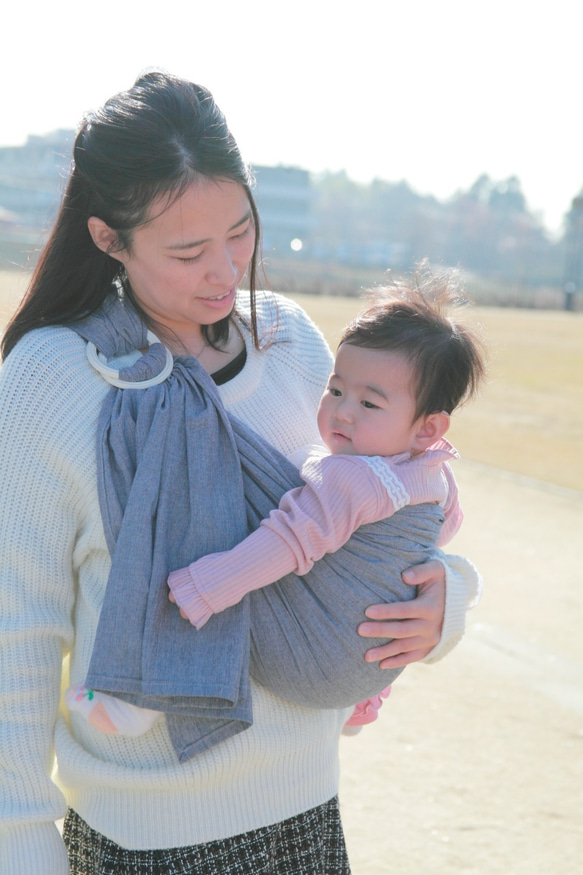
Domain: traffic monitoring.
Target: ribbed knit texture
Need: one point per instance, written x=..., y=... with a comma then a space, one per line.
x=54, y=566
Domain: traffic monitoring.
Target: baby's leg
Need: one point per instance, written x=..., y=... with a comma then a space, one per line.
x=108, y=714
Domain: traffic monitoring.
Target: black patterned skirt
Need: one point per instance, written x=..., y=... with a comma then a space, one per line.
x=311, y=843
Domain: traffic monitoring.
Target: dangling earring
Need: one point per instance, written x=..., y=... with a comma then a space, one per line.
x=121, y=282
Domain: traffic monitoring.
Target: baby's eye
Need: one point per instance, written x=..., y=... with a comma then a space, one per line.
x=369, y=405
x=336, y=393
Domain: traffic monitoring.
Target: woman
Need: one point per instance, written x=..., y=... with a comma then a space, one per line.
x=159, y=204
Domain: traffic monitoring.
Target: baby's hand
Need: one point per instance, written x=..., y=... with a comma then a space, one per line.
x=183, y=614
x=183, y=593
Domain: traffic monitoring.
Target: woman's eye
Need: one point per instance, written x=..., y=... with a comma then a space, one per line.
x=189, y=260
x=242, y=234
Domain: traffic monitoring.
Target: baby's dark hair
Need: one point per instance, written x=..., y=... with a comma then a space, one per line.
x=412, y=318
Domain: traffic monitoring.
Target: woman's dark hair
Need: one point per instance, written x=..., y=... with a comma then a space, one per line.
x=155, y=139
x=411, y=318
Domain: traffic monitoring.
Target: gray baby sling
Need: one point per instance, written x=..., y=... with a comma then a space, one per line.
x=179, y=478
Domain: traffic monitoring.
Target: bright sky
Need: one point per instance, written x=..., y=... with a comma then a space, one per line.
x=432, y=92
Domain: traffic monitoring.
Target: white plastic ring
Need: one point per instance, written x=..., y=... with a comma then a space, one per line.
x=111, y=375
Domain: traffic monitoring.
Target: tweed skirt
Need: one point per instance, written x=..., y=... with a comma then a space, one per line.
x=311, y=843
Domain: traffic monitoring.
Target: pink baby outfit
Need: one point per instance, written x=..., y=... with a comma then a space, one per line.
x=341, y=493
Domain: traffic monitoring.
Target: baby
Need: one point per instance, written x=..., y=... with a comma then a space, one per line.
x=401, y=369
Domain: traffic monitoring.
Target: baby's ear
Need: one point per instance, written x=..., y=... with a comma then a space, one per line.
x=430, y=429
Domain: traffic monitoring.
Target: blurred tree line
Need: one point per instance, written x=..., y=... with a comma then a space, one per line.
x=319, y=228
x=487, y=229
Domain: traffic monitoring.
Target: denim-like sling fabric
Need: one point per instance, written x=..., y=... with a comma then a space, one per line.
x=170, y=489
x=304, y=645
x=179, y=478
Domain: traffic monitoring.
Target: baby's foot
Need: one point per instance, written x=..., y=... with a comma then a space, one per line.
x=108, y=714
x=365, y=712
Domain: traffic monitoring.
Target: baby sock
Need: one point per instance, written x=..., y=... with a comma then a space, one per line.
x=365, y=712
x=108, y=714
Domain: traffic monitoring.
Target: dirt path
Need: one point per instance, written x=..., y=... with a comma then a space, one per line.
x=476, y=765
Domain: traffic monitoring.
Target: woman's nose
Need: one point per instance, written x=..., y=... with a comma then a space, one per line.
x=222, y=270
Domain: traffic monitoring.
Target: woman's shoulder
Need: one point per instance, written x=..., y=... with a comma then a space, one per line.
x=51, y=364
x=286, y=330
x=52, y=343
x=279, y=318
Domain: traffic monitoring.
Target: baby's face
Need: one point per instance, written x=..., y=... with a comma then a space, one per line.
x=368, y=407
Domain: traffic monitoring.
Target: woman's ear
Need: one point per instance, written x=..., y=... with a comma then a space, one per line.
x=104, y=237
x=430, y=429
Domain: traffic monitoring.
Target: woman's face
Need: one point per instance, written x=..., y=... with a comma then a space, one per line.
x=185, y=264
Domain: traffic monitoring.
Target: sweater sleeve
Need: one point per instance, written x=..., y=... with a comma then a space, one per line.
x=38, y=511
x=463, y=582
x=463, y=588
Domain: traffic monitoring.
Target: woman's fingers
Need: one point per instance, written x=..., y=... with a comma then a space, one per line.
x=398, y=652
x=403, y=659
x=392, y=629
x=415, y=626
x=419, y=608
x=425, y=573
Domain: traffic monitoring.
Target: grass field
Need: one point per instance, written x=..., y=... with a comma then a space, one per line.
x=529, y=417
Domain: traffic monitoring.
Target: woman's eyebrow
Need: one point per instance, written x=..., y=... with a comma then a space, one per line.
x=180, y=246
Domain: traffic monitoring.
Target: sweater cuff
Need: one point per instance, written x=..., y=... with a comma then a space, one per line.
x=220, y=580
x=32, y=848
x=188, y=598
x=463, y=587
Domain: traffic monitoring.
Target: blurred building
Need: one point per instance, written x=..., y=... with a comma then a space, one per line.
x=330, y=220
x=573, y=276
x=284, y=198
x=33, y=176
x=32, y=179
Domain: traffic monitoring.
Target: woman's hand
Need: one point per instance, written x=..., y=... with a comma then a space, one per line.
x=415, y=626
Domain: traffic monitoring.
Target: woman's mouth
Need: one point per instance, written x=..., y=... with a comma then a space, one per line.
x=219, y=297
x=221, y=300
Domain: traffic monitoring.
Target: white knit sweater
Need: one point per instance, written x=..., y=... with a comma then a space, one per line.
x=54, y=566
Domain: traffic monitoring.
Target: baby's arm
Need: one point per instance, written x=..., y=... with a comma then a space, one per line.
x=341, y=494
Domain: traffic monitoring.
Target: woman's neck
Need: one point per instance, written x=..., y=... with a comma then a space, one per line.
x=212, y=359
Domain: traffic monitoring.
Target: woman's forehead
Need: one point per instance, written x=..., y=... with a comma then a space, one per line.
x=203, y=210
